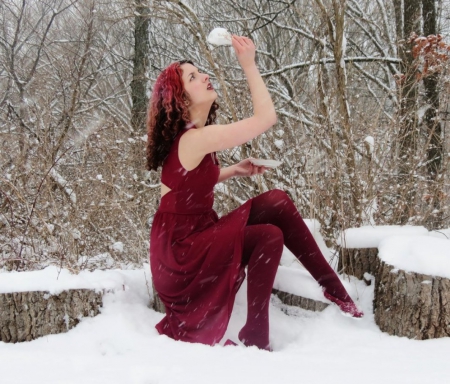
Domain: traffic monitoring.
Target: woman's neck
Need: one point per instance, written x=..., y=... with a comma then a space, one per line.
x=199, y=117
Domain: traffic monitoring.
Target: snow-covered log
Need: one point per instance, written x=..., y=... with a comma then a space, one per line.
x=25, y=316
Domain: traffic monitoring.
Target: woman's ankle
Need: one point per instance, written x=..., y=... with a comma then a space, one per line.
x=255, y=338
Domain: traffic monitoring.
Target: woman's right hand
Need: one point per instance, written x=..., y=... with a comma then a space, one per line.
x=245, y=50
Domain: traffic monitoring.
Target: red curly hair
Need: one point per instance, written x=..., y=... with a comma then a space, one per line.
x=168, y=114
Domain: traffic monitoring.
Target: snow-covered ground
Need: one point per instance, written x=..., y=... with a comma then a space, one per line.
x=121, y=344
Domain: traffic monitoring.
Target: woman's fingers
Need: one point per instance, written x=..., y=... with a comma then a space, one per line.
x=241, y=42
x=257, y=170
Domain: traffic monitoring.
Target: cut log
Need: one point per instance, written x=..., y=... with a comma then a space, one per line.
x=286, y=298
x=411, y=304
x=357, y=261
x=25, y=316
x=299, y=301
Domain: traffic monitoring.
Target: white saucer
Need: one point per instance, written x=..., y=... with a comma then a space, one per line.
x=265, y=163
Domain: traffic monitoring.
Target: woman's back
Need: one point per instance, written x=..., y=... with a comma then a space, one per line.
x=191, y=192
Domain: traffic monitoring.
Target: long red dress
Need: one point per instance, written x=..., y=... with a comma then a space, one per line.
x=195, y=257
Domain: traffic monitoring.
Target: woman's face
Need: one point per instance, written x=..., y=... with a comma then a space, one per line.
x=198, y=87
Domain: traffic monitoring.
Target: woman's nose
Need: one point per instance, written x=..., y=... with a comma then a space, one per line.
x=206, y=77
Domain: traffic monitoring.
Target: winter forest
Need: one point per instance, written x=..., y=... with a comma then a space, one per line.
x=361, y=90
x=362, y=94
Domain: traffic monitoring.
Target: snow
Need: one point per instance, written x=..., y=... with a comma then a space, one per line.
x=423, y=254
x=219, y=36
x=300, y=283
x=370, y=141
x=56, y=280
x=441, y=233
x=370, y=237
x=279, y=144
x=63, y=184
x=411, y=248
x=118, y=246
x=121, y=345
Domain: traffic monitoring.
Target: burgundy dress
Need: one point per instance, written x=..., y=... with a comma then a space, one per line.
x=195, y=257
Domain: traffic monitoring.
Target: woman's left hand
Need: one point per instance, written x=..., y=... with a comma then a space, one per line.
x=246, y=168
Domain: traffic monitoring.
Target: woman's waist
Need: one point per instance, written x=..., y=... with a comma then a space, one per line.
x=179, y=225
x=185, y=212
x=186, y=204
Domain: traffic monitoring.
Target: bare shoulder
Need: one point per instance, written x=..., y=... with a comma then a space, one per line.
x=188, y=152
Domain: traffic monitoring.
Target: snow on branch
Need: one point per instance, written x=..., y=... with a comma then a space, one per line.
x=331, y=60
x=62, y=183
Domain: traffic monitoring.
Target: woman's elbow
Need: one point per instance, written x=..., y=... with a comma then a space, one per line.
x=273, y=119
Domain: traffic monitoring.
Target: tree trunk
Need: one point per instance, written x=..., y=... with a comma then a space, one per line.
x=140, y=66
x=25, y=316
x=335, y=21
x=408, y=89
x=433, y=128
x=357, y=262
x=411, y=304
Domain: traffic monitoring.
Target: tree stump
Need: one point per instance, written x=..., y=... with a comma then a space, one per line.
x=25, y=316
x=299, y=301
x=358, y=261
x=411, y=304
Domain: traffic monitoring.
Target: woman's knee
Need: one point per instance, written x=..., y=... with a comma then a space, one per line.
x=272, y=236
x=264, y=234
x=277, y=196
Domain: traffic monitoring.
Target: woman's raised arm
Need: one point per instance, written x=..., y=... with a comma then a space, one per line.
x=219, y=137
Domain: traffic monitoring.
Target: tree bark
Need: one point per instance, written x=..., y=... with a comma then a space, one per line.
x=299, y=301
x=357, y=262
x=408, y=89
x=157, y=304
x=433, y=127
x=335, y=22
x=411, y=304
x=140, y=66
x=25, y=316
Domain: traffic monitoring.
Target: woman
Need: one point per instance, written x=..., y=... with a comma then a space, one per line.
x=198, y=260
